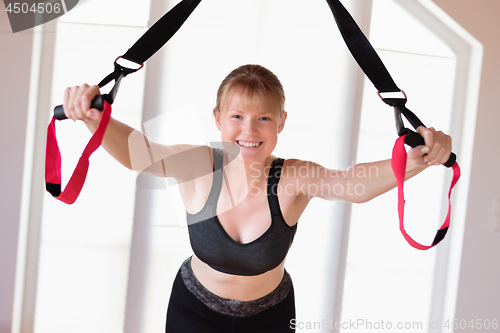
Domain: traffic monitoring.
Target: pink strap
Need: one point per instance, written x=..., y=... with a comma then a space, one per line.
x=53, y=161
x=399, y=167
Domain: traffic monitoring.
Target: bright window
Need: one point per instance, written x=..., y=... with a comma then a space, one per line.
x=84, y=253
x=386, y=279
x=107, y=262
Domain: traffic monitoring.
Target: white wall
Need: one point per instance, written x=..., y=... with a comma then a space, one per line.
x=479, y=293
x=15, y=62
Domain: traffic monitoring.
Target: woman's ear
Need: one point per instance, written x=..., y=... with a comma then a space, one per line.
x=282, y=120
x=217, y=117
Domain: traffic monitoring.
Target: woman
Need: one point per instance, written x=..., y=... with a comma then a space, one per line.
x=242, y=202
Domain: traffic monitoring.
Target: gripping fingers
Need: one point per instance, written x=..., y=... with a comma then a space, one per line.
x=77, y=101
x=72, y=104
x=81, y=107
x=439, y=145
x=66, y=98
x=69, y=101
x=86, y=99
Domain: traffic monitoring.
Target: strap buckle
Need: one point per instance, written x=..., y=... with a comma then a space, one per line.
x=398, y=99
x=117, y=75
x=412, y=138
x=125, y=67
x=389, y=95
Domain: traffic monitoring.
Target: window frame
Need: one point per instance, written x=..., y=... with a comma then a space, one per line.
x=469, y=59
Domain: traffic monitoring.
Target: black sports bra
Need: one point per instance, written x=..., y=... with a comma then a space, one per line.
x=211, y=243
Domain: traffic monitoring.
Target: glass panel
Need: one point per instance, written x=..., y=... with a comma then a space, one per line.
x=386, y=279
x=85, y=247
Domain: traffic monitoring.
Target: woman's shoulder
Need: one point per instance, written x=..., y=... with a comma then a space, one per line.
x=185, y=161
x=303, y=173
x=295, y=172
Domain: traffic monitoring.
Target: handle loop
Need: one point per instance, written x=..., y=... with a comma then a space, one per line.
x=398, y=163
x=53, y=161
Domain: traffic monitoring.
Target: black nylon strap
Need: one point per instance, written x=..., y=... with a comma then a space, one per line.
x=150, y=42
x=440, y=236
x=361, y=49
x=272, y=186
x=371, y=64
x=160, y=32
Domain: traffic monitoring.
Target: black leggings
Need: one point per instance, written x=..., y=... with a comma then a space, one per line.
x=187, y=314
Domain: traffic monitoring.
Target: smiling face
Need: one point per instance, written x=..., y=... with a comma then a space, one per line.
x=250, y=122
x=250, y=111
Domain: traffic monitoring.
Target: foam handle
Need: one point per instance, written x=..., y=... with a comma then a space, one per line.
x=414, y=139
x=97, y=103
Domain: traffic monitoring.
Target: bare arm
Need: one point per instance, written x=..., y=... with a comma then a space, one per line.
x=365, y=181
x=131, y=147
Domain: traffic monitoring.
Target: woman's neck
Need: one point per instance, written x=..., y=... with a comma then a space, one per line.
x=247, y=177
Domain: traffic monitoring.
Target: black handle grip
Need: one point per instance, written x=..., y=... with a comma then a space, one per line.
x=414, y=139
x=97, y=103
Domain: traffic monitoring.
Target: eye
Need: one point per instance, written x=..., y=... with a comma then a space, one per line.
x=265, y=118
x=236, y=116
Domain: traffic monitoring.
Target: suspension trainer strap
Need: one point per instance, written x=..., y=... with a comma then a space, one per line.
x=399, y=166
x=361, y=49
x=166, y=27
x=53, y=161
x=371, y=64
x=160, y=32
x=142, y=50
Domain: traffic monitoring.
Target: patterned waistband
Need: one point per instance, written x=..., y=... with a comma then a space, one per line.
x=233, y=307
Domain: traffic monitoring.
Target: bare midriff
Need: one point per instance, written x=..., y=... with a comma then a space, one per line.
x=237, y=287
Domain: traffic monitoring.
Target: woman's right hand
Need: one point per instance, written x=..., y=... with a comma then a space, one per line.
x=77, y=101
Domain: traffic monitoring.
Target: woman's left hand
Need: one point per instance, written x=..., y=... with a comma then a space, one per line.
x=437, y=148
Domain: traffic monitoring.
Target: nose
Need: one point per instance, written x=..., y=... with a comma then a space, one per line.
x=250, y=126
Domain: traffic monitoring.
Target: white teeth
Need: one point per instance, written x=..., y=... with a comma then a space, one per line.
x=248, y=144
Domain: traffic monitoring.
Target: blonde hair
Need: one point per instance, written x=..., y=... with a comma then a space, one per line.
x=256, y=84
